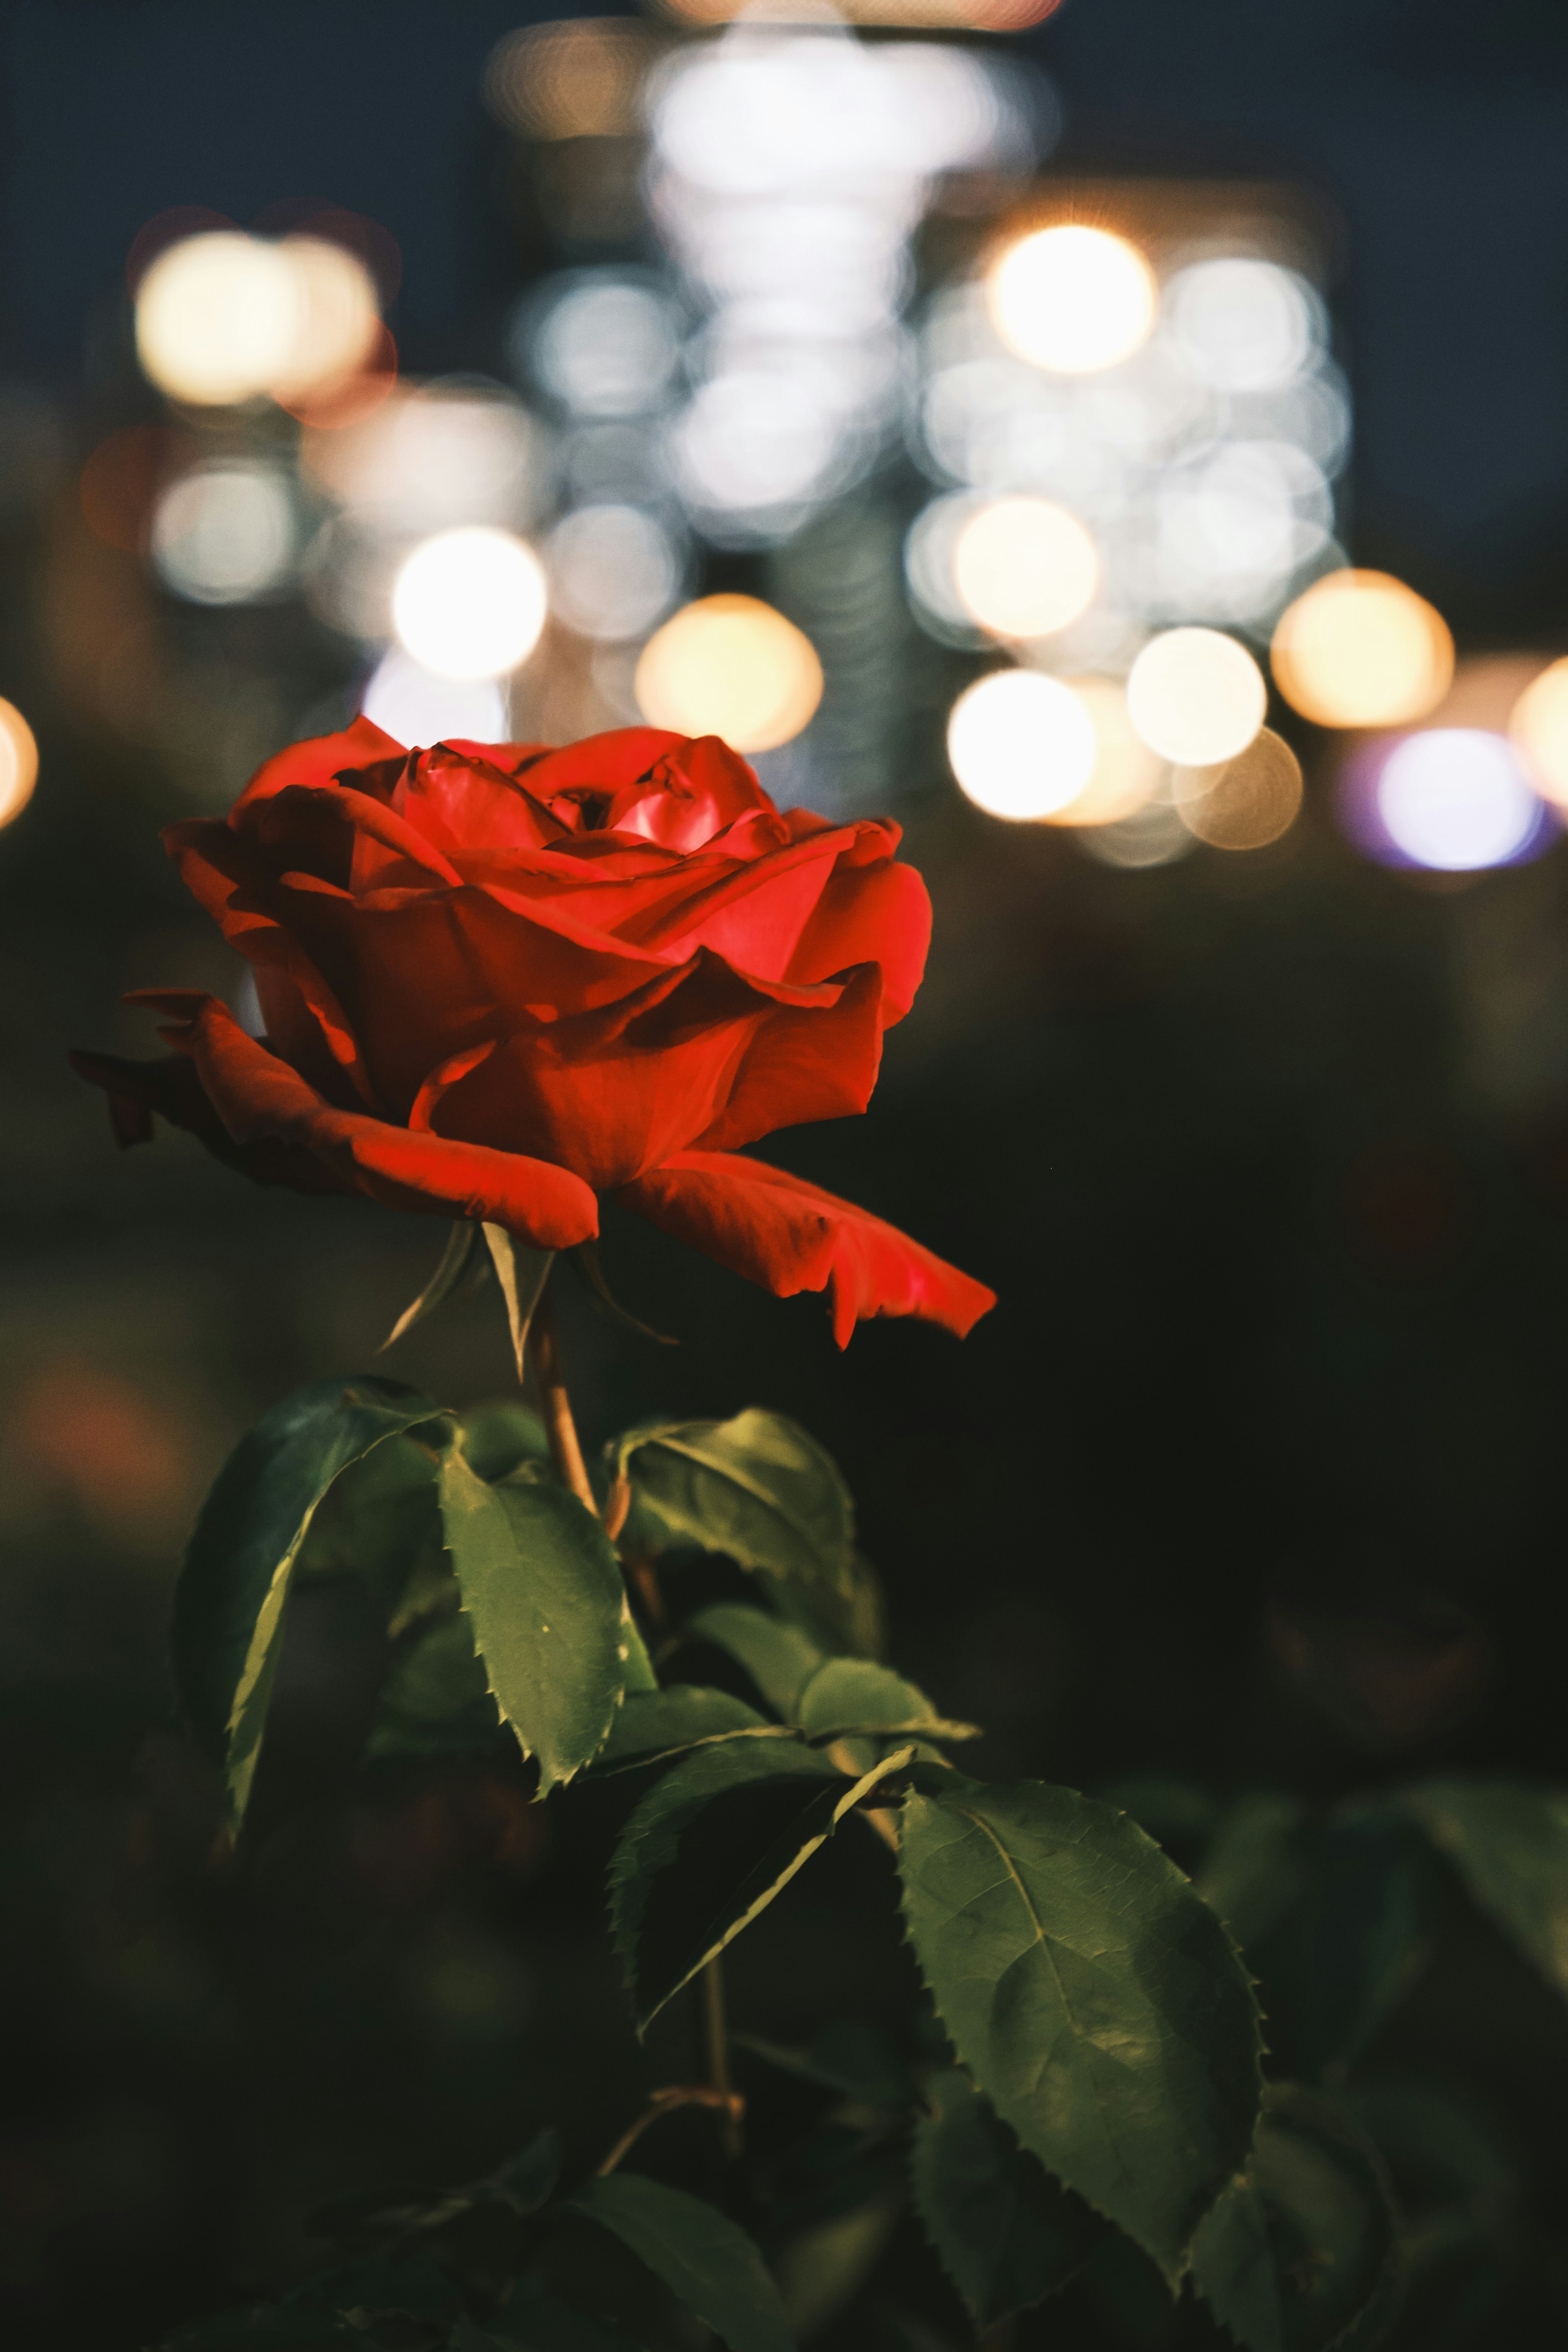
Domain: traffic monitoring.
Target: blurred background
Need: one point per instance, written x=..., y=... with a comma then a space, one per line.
x=1127, y=444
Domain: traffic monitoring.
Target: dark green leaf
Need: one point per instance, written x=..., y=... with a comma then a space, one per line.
x=1008, y=2234
x=522, y=2185
x=779, y=1658
x=436, y=1701
x=656, y=1724
x=1254, y=1869
x=1095, y=2000
x=709, y=1846
x=823, y=2267
x=543, y=1592
x=229, y=1602
x=1509, y=1842
x=1176, y=1813
x=378, y=1522
x=1363, y=1934
x=454, y=1271
x=857, y=1695
x=713, y=2267
x=761, y=1490
x=1441, y=2147
x=522, y=1274
x=847, y=2056
x=501, y=1436
x=1304, y=2245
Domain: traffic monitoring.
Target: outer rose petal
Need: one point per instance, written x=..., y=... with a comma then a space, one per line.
x=881, y=911
x=260, y=1100
x=788, y=1235
x=171, y=1087
x=317, y=762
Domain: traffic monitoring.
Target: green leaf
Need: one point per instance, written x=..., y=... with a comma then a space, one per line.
x=659, y=1723
x=522, y=2185
x=1254, y=1871
x=436, y=1701
x=1509, y=1842
x=780, y=1659
x=854, y=1695
x=501, y=1436
x=825, y=2266
x=713, y=2267
x=378, y=1522
x=1099, y=2005
x=1304, y=2245
x=1008, y=2234
x=230, y=1599
x=761, y=1490
x=543, y=1592
x=1361, y=1937
x=522, y=1273
x=454, y=1271
x=709, y=1846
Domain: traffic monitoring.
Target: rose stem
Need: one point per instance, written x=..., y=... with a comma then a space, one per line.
x=716, y=2034
x=564, y=1450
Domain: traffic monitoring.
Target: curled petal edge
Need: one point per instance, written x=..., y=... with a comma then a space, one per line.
x=788, y=1235
x=281, y=1129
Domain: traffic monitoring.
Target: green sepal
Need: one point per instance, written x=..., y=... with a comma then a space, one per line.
x=759, y=1490
x=710, y=1846
x=1125, y=2050
x=712, y=2267
x=1304, y=2245
x=1007, y=2234
x=229, y=1602
x=463, y=1253
x=542, y=1593
x=522, y=1273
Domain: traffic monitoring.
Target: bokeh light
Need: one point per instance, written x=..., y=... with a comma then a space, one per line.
x=1539, y=726
x=419, y=707
x=1022, y=746
x=18, y=763
x=1456, y=798
x=225, y=534
x=1072, y=300
x=1361, y=649
x=459, y=452
x=1242, y=325
x=1196, y=696
x=1245, y=804
x=730, y=666
x=223, y=318
x=576, y=80
x=1126, y=774
x=1025, y=567
x=607, y=345
x=469, y=603
x=614, y=571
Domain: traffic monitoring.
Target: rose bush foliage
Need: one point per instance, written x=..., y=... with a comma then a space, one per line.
x=498, y=981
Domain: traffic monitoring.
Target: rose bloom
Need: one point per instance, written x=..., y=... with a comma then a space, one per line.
x=498, y=980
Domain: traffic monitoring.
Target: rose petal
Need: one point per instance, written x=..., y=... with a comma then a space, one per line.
x=170, y=1086
x=322, y=758
x=804, y=1065
x=881, y=909
x=788, y=1235
x=261, y=1099
x=614, y=1092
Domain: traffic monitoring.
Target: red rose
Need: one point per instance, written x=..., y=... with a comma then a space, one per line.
x=498, y=980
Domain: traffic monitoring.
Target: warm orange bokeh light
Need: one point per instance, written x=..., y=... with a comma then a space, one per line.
x=1361, y=649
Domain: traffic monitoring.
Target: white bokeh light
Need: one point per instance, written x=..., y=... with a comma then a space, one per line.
x=1072, y=300
x=1455, y=799
x=1196, y=697
x=225, y=534
x=1243, y=325
x=419, y=708
x=469, y=603
x=607, y=346
x=614, y=572
x=1022, y=746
